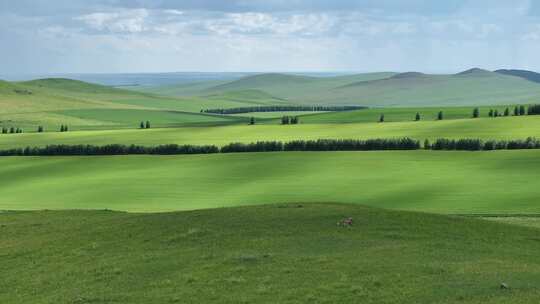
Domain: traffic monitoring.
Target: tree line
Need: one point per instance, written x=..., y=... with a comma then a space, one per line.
x=468, y=144
x=377, y=144
x=240, y=110
x=114, y=149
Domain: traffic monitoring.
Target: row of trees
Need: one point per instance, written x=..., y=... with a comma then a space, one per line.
x=283, y=109
x=108, y=150
x=144, y=125
x=478, y=144
x=324, y=145
x=290, y=120
x=378, y=144
x=40, y=129
x=11, y=130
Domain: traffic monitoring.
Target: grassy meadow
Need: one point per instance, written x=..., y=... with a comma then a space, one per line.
x=484, y=128
x=496, y=182
x=429, y=226
x=267, y=254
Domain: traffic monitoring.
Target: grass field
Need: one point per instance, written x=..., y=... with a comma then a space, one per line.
x=399, y=114
x=82, y=106
x=261, y=227
x=496, y=182
x=485, y=128
x=265, y=254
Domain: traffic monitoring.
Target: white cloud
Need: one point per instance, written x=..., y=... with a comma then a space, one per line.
x=125, y=21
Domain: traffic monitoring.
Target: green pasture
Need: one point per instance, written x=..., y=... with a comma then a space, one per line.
x=291, y=253
x=442, y=182
x=401, y=114
x=485, y=128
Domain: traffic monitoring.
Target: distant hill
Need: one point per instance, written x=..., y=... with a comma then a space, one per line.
x=263, y=80
x=51, y=102
x=529, y=75
x=408, y=75
x=471, y=87
x=65, y=84
x=475, y=72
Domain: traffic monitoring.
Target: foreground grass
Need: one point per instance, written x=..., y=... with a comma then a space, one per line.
x=444, y=182
x=484, y=128
x=266, y=254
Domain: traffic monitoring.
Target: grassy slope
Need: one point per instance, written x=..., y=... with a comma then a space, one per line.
x=266, y=254
x=51, y=102
x=466, y=89
x=486, y=128
x=446, y=182
x=399, y=114
x=476, y=87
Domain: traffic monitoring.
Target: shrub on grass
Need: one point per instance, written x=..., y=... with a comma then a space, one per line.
x=476, y=113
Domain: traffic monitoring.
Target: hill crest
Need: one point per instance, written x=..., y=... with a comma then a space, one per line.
x=525, y=74
x=475, y=72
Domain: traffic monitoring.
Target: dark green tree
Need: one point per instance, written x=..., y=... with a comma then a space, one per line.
x=507, y=112
x=12, y=130
x=141, y=125
x=490, y=113
x=40, y=129
x=147, y=124
x=427, y=144
x=496, y=113
x=521, y=110
x=440, y=115
x=252, y=120
x=417, y=117
x=476, y=113
x=516, y=111
x=285, y=120
x=381, y=118
x=4, y=130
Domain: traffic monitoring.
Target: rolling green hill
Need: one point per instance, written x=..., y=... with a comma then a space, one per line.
x=265, y=254
x=52, y=102
x=471, y=87
x=441, y=182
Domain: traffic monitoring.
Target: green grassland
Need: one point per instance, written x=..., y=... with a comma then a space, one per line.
x=398, y=114
x=265, y=254
x=80, y=105
x=277, y=240
x=473, y=87
x=485, y=128
x=443, y=182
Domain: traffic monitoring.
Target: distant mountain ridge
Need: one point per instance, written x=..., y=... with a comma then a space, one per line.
x=525, y=74
x=474, y=86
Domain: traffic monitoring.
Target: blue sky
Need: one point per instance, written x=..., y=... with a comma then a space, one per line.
x=101, y=36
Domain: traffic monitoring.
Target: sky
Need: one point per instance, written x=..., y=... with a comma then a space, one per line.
x=121, y=36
